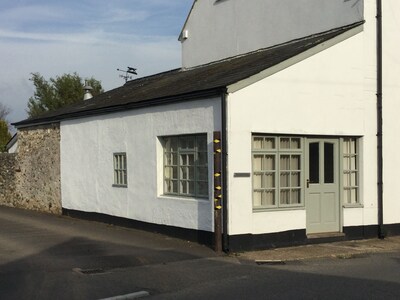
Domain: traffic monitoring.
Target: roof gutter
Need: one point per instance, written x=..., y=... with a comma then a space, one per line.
x=379, y=94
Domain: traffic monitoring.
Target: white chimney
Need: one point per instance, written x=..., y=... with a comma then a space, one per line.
x=87, y=89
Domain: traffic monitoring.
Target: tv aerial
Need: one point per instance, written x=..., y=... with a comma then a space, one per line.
x=128, y=73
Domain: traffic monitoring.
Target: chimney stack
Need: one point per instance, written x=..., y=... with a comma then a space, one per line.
x=87, y=89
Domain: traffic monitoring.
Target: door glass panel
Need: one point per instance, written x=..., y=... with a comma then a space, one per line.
x=328, y=163
x=314, y=162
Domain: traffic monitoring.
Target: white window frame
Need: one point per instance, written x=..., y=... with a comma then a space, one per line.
x=347, y=168
x=120, y=169
x=279, y=152
x=176, y=171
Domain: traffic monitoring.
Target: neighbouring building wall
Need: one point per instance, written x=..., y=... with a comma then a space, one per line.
x=87, y=171
x=328, y=94
x=38, y=176
x=220, y=29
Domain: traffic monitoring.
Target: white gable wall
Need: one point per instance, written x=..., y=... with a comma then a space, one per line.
x=221, y=29
x=332, y=93
x=87, y=147
x=322, y=95
x=391, y=109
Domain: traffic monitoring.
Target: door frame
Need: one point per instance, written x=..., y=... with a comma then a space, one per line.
x=338, y=172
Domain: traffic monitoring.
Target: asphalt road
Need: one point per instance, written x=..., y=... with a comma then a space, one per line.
x=50, y=257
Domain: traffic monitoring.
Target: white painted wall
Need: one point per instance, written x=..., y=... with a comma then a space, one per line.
x=13, y=148
x=325, y=94
x=87, y=147
x=391, y=109
x=221, y=29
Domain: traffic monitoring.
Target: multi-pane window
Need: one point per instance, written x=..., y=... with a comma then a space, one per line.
x=277, y=171
x=120, y=170
x=186, y=165
x=350, y=171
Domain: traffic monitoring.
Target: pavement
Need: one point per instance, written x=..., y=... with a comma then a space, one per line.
x=336, y=250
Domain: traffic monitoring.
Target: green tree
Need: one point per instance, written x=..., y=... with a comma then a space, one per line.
x=5, y=135
x=58, y=92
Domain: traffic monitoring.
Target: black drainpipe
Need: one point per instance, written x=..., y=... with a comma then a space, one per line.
x=379, y=94
x=225, y=246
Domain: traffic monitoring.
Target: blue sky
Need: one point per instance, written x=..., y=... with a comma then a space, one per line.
x=91, y=37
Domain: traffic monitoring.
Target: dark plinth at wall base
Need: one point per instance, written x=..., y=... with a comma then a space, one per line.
x=361, y=232
x=248, y=242
x=242, y=242
x=392, y=229
x=198, y=236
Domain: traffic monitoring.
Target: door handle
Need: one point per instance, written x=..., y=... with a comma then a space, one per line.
x=308, y=183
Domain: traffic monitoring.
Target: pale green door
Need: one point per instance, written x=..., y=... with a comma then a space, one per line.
x=322, y=186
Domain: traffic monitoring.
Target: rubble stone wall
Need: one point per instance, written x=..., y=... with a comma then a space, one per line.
x=8, y=193
x=32, y=177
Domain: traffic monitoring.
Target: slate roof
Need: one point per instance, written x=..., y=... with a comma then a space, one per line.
x=181, y=84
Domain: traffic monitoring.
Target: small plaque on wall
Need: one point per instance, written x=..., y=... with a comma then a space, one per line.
x=241, y=175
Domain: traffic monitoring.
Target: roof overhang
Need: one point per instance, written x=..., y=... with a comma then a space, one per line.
x=205, y=94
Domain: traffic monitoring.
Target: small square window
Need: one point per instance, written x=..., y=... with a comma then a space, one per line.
x=120, y=170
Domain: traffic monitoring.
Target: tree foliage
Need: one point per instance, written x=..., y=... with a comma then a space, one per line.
x=5, y=135
x=58, y=92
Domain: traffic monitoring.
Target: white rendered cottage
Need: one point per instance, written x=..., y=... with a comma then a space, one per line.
x=291, y=86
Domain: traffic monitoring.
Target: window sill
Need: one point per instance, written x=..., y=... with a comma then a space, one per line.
x=357, y=205
x=272, y=209
x=183, y=198
x=120, y=185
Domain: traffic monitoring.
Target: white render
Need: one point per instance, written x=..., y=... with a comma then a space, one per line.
x=87, y=147
x=313, y=97
x=332, y=93
x=328, y=91
x=391, y=108
x=219, y=29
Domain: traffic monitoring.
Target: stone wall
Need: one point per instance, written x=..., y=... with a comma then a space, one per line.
x=8, y=168
x=32, y=176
